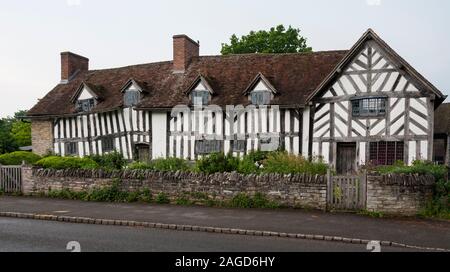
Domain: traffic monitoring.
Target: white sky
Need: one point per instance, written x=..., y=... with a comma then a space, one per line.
x=113, y=33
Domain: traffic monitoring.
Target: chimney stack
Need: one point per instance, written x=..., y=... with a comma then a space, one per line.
x=184, y=49
x=71, y=65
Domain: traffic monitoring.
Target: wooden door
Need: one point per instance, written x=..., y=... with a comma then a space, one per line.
x=346, y=157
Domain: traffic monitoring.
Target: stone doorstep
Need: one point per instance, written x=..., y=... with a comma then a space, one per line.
x=92, y=221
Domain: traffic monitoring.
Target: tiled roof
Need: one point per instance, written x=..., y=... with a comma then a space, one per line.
x=442, y=119
x=294, y=76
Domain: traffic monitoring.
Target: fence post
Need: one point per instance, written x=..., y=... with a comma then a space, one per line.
x=364, y=189
x=329, y=189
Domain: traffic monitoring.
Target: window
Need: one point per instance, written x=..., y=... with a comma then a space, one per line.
x=108, y=144
x=386, y=153
x=208, y=146
x=200, y=98
x=260, y=97
x=369, y=107
x=131, y=98
x=85, y=105
x=268, y=143
x=71, y=149
x=239, y=145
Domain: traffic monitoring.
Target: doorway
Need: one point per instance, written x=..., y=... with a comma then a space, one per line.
x=143, y=152
x=346, y=157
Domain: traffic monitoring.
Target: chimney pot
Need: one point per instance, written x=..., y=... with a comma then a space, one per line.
x=71, y=65
x=184, y=49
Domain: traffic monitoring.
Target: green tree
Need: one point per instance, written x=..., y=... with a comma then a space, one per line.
x=14, y=132
x=276, y=40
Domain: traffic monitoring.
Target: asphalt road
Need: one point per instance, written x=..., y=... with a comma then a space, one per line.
x=18, y=235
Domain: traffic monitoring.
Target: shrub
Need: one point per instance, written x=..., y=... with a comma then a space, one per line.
x=251, y=162
x=284, y=163
x=259, y=200
x=161, y=198
x=169, y=164
x=56, y=162
x=217, y=162
x=140, y=166
x=113, y=160
x=16, y=158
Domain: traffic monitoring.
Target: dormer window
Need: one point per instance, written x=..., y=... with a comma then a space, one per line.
x=200, y=92
x=131, y=98
x=260, y=97
x=133, y=92
x=85, y=99
x=200, y=97
x=260, y=91
x=85, y=105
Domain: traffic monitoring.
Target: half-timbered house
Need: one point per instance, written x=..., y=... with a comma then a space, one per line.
x=349, y=107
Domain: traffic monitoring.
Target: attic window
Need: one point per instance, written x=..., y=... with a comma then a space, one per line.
x=85, y=105
x=369, y=107
x=200, y=97
x=259, y=97
x=131, y=98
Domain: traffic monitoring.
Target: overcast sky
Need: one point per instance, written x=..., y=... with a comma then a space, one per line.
x=118, y=33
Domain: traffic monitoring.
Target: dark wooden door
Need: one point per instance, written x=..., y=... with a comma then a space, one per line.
x=346, y=157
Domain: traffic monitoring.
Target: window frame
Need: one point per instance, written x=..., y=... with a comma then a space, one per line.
x=369, y=107
x=204, y=95
x=265, y=100
x=385, y=149
x=68, y=151
x=110, y=147
x=86, y=105
x=135, y=94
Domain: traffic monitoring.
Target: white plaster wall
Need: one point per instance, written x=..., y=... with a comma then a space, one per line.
x=159, y=135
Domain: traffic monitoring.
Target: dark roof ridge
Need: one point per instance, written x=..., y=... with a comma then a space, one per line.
x=272, y=54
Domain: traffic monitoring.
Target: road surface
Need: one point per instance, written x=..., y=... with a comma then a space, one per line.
x=18, y=235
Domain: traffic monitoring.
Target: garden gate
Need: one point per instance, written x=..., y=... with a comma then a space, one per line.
x=11, y=179
x=346, y=192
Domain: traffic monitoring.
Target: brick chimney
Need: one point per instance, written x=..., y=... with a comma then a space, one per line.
x=184, y=48
x=71, y=65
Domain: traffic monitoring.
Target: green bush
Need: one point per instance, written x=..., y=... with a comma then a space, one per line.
x=439, y=206
x=161, y=198
x=217, y=162
x=112, y=161
x=284, y=163
x=56, y=162
x=259, y=200
x=169, y=164
x=16, y=158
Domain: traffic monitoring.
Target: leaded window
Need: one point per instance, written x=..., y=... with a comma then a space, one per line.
x=369, y=107
x=260, y=97
x=108, y=144
x=208, y=146
x=71, y=149
x=239, y=145
x=200, y=98
x=85, y=105
x=386, y=153
x=131, y=98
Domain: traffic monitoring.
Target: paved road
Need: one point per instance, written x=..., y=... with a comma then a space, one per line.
x=18, y=235
x=411, y=231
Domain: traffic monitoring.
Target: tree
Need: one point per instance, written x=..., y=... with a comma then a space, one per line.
x=14, y=133
x=276, y=40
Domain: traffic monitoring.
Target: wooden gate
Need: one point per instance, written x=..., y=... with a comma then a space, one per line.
x=346, y=192
x=11, y=179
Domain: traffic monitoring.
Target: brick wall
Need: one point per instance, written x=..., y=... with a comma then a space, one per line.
x=398, y=194
x=290, y=190
x=42, y=136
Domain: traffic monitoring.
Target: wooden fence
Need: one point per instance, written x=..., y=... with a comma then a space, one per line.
x=346, y=192
x=11, y=179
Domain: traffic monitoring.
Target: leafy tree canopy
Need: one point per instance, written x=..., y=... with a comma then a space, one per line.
x=276, y=40
x=14, y=133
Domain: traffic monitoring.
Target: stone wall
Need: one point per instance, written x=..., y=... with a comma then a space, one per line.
x=289, y=190
x=398, y=194
x=42, y=136
x=390, y=194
